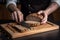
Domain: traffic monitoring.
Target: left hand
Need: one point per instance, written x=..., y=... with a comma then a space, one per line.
x=45, y=16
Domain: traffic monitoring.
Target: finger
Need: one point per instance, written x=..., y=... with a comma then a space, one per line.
x=12, y=17
x=44, y=20
x=40, y=12
x=20, y=16
x=15, y=15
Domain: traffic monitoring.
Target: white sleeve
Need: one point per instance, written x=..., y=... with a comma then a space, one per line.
x=11, y=2
x=57, y=1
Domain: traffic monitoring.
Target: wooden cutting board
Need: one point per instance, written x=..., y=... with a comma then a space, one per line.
x=23, y=31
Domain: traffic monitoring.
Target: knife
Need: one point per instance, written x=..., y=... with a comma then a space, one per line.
x=24, y=24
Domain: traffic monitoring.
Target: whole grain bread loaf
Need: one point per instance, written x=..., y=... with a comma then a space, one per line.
x=34, y=17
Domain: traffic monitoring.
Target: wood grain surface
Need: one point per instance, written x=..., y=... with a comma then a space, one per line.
x=25, y=32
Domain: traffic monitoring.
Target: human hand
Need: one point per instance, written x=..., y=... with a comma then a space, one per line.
x=45, y=16
x=17, y=16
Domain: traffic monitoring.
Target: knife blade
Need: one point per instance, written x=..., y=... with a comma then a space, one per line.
x=24, y=24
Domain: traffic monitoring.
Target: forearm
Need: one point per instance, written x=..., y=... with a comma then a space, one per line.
x=51, y=8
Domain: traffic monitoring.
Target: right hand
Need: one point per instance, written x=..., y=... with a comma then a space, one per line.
x=17, y=16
